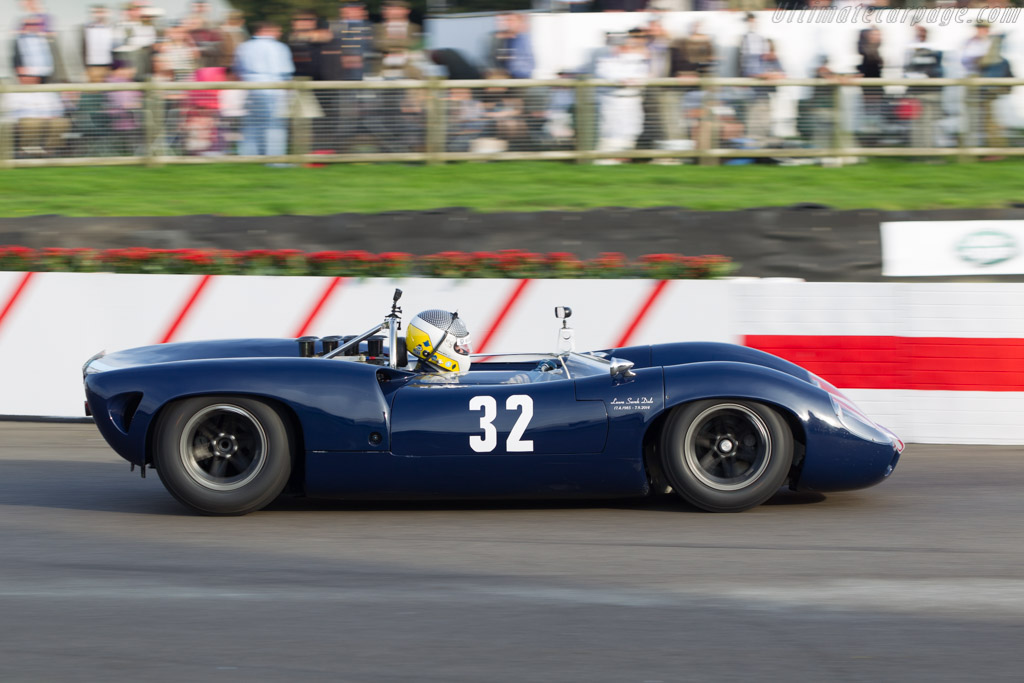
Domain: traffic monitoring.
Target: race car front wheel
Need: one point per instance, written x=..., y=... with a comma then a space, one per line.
x=726, y=455
x=223, y=455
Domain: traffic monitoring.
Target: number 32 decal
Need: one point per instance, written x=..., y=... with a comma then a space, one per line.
x=515, y=442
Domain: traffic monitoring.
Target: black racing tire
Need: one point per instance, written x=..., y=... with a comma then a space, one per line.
x=223, y=455
x=726, y=455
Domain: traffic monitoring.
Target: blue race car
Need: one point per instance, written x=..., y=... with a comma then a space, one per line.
x=231, y=425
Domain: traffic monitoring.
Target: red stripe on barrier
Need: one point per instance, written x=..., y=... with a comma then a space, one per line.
x=321, y=302
x=18, y=290
x=920, y=363
x=659, y=287
x=502, y=314
x=183, y=313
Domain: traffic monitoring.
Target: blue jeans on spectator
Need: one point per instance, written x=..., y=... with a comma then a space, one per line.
x=264, y=130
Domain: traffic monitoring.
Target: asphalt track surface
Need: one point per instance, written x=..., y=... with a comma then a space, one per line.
x=104, y=577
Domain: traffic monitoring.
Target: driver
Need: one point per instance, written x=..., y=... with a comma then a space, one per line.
x=440, y=340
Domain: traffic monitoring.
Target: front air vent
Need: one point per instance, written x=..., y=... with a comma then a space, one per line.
x=122, y=409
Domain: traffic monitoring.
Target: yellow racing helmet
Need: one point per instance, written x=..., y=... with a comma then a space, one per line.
x=439, y=339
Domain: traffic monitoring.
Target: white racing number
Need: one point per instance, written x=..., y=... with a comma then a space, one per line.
x=515, y=442
x=487, y=442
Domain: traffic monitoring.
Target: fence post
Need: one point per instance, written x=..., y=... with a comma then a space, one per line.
x=969, y=123
x=838, y=143
x=300, y=126
x=668, y=116
x=153, y=115
x=437, y=118
x=6, y=134
x=585, y=117
x=706, y=136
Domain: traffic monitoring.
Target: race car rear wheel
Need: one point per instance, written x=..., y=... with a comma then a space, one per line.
x=223, y=455
x=726, y=455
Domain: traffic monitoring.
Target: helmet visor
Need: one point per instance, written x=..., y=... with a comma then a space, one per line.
x=462, y=346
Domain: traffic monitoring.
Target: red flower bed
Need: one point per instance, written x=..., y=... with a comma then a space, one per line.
x=513, y=263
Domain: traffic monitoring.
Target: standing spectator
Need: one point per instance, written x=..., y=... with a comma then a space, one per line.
x=202, y=121
x=512, y=54
x=994, y=64
x=231, y=104
x=203, y=32
x=505, y=126
x=302, y=41
x=759, y=112
x=659, y=45
x=923, y=60
x=397, y=41
x=561, y=124
x=347, y=57
x=395, y=38
x=757, y=60
x=124, y=108
x=90, y=122
x=328, y=57
x=465, y=118
x=622, y=111
x=232, y=34
x=693, y=55
x=38, y=117
x=983, y=57
x=199, y=14
x=173, y=114
x=98, y=44
x=752, y=48
x=511, y=50
x=355, y=39
x=264, y=59
x=126, y=26
x=179, y=52
x=869, y=46
x=816, y=112
x=33, y=51
x=33, y=9
x=661, y=105
x=977, y=48
x=134, y=37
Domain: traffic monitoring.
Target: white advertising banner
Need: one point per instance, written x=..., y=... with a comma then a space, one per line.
x=935, y=362
x=943, y=248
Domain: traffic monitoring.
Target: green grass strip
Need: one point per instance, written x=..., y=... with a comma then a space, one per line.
x=245, y=190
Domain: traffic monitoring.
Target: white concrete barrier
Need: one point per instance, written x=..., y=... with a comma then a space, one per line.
x=938, y=363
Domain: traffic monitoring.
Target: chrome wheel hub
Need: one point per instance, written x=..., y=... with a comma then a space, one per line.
x=727, y=447
x=223, y=447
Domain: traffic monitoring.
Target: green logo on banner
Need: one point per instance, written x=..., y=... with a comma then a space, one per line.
x=987, y=248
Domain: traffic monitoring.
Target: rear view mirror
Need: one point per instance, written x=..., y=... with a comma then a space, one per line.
x=563, y=312
x=619, y=367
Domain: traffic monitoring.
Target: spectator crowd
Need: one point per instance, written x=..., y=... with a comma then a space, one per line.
x=137, y=42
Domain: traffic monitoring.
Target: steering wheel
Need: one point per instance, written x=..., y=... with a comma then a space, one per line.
x=547, y=366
